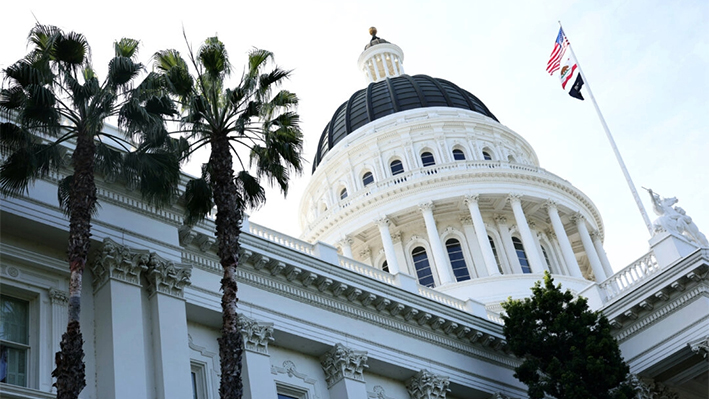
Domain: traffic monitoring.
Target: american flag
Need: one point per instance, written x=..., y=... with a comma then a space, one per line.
x=560, y=46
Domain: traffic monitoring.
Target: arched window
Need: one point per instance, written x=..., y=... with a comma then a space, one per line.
x=494, y=253
x=455, y=254
x=510, y=158
x=458, y=155
x=396, y=167
x=367, y=179
x=385, y=266
x=521, y=255
x=427, y=159
x=423, y=268
x=486, y=155
x=343, y=194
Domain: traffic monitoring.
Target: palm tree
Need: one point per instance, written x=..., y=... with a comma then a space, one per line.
x=52, y=100
x=255, y=125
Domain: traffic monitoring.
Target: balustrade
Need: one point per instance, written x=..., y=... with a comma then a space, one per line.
x=630, y=276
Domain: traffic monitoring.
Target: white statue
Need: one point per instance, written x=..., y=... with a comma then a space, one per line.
x=674, y=219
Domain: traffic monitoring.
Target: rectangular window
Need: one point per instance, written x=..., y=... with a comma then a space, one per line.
x=198, y=377
x=290, y=392
x=14, y=340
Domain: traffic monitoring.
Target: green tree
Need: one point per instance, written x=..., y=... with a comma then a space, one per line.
x=52, y=100
x=567, y=350
x=250, y=122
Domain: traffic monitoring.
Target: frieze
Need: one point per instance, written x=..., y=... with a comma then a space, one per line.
x=343, y=362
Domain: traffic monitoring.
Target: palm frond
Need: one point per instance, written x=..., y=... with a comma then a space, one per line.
x=122, y=70
x=108, y=161
x=11, y=99
x=213, y=57
x=126, y=47
x=198, y=200
x=250, y=192
x=71, y=49
x=27, y=164
x=13, y=137
x=157, y=174
x=25, y=73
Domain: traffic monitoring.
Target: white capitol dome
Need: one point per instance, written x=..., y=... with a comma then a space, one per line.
x=415, y=176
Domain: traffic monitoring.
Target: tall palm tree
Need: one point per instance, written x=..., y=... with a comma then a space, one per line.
x=249, y=122
x=51, y=100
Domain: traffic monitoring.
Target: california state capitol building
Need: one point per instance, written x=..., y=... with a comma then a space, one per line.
x=423, y=213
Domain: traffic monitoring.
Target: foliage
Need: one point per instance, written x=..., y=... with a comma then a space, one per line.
x=567, y=350
x=52, y=114
x=249, y=124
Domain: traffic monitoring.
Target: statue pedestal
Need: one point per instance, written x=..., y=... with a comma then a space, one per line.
x=670, y=247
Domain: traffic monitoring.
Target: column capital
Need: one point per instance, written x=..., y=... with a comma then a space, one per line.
x=426, y=206
x=514, y=198
x=119, y=262
x=466, y=220
x=551, y=204
x=550, y=233
x=166, y=277
x=578, y=217
x=58, y=297
x=382, y=222
x=596, y=235
x=500, y=219
x=256, y=334
x=471, y=198
x=426, y=385
x=700, y=347
x=342, y=362
x=347, y=240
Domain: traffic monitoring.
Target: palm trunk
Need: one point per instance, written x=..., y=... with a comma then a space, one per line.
x=71, y=371
x=228, y=225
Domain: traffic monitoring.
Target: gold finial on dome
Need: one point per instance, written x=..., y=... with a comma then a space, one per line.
x=373, y=31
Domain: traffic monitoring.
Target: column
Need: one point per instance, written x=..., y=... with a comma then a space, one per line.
x=166, y=285
x=344, y=372
x=596, y=238
x=556, y=250
x=589, y=248
x=477, y=253
x=256, y=373
x=383, y=225
x=490, y=264
x=400, y=253
x=346, y=245
x=538, y=245
x=566, y=250
x=426, y=385
x=530, y=247
x=507, y=246
x=121, y=346
x=439, y=254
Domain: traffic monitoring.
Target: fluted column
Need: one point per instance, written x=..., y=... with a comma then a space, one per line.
x=489, y=257
x=507, y=245
x=346, y=245
x=383, y=225
x=596, y=238
x=566, y=250
x=439, y=255
x=589, y=248
x=538, y=246
x=475, y=251
x=530, y=247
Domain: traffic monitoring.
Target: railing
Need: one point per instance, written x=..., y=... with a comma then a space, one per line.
x=281, y=239
x=495, y=317
x=622, y=281
x=442, y=298
x=366, y=270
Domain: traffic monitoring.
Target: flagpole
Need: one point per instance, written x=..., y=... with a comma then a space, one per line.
x=610, y=139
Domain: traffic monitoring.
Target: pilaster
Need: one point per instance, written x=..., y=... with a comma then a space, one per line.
x=60, y=316
x=344, y=372
x=256, y=374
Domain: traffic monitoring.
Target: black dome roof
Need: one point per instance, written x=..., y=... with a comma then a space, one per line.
x=388, y=97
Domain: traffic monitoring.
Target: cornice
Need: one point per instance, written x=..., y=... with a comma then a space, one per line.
x=309, y=280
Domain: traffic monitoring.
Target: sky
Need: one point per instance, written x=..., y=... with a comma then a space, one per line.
x=646, y=61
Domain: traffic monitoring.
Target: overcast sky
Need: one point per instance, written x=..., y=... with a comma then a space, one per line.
x=646, y=61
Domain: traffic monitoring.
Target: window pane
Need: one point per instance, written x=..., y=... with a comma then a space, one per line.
x=396, y=167
x=427, y=159
x=521, y=255
x=423, y=268
x=367, y=179
x=13, y=365
x=343, y=194
x=486, y=156
x=13, y=320
x=282, y=396
x=455, y=254
x=458, y=155
x=385, y=266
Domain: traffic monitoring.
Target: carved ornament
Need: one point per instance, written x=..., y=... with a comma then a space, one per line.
x=118, y=262
x=166, y=277
x=256, y=334
x=426, y=385
x=342, y=362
